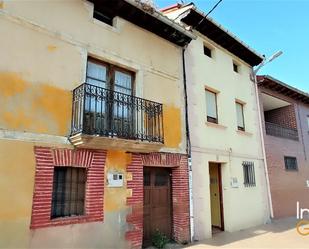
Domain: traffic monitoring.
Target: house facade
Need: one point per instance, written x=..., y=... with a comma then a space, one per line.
x=229, y=181
x=93, y=139
x=285, y=115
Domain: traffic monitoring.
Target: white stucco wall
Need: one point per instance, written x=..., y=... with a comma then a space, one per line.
x=223, y=143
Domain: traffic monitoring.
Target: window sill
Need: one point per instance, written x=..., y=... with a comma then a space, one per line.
x=210, y=124
x=68, y=221
x=244, y=133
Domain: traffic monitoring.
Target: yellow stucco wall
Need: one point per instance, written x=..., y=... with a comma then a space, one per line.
x=17, y=166
x=40, y=108
x=17, y=179
x=115, y=198
x=37, y=75
x=42, y=60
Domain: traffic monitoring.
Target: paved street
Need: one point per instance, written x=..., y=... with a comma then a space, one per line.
x=279, y=234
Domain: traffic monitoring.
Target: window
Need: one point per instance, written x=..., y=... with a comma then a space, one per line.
x=68, y=198
x=240, y=116
x=249, y=174
x=235, y=67
x=103, y=17
x=65, y=194
x=99, y=113
x=290, y=163
x=211, y=102
x=207, y=51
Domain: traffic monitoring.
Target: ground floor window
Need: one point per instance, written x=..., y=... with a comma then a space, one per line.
x=68, y=186
x=249, y=174
x=68, y=198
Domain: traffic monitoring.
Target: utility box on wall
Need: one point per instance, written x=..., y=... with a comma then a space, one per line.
x=114, y=179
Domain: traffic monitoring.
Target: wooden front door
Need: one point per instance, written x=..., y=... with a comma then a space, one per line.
x=157, y=203
x=216, y=201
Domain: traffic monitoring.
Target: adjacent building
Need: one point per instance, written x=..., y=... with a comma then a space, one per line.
x=93, y=139
x=285, y=115
x=102, y=102
x=229, y=183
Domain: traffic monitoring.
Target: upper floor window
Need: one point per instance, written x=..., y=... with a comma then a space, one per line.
x=290, y=163
x=249, y=174
x=68, y=198
x=207, y=51
x=235, y=67
x=211, y=102
x=103, y=17
x=240, y=116
x=109, y=76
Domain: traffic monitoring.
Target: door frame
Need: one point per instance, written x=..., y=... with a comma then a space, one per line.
x=170, y=187
x=221, y=195
x=219, y=168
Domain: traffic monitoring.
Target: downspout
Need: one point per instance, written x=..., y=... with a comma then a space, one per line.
x=263, y=145
x=188, y=144
x=301, y=131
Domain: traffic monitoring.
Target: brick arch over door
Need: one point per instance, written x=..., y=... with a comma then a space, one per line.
x=180, y=194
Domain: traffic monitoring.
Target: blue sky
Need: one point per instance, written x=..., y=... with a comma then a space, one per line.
x=268, y=26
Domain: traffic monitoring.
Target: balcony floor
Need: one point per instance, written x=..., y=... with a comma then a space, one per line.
x=99, y=142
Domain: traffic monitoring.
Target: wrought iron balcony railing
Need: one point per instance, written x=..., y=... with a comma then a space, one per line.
x=102, y=112
x=279, y=131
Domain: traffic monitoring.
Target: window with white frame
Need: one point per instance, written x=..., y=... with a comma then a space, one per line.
x=240, y=116
x=211, y=102
x=249, y=174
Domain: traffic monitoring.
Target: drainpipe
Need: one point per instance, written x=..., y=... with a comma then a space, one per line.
x=254, y=75
x=263, y=144
x=301, y=131
x=188, y=144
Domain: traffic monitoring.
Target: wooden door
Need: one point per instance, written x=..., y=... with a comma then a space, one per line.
x=216, y=196
x=157, y=203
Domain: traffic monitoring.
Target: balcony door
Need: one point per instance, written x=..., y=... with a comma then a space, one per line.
x=108, y=100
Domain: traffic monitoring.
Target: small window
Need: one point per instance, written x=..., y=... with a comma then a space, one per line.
x=161, y=178
x=235, y=67
x=68, y=197
x=249, y=174
x=103, y=17
x=290, y=163
x=207, y=51
x=211, y=102
x=240, y=116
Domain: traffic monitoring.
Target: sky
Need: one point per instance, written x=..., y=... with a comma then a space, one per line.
x=267, y=26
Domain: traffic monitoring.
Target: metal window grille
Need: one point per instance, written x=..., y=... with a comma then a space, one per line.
x=68, y=198
x=290, y=163
x=249, y=174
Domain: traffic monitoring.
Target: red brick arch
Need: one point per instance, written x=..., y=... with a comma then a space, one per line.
x=180, y=195
x=46, y=159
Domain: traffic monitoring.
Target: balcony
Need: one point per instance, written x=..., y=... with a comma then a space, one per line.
x=107, y=119
x=280, y=131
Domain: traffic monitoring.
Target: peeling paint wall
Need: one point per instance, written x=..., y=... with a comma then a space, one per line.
x=17, y=165
x=37, y=76
x=42, y=60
